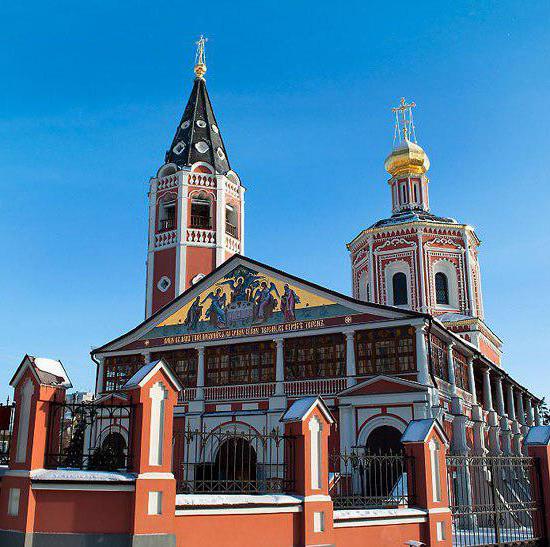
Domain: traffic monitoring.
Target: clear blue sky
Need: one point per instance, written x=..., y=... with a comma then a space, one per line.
x=91, y=94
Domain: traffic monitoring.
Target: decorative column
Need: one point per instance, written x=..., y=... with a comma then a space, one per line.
x=199, y=395
x=492, y=420
x=350, y=358
x=422, y=356
x=520, y=413
x=530, y=417
x=423, y=375
x=505, y=431
x=516, y=434
x=459, y=444
x=280, y=367
x=100, y=379
x=477, y=413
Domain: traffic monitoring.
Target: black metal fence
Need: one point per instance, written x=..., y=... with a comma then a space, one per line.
x=7, y=414
x=362, y=479
x=235, y=460
x=495, y=500
x=89, y=436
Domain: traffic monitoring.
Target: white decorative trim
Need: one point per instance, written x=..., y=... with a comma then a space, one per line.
x=318, y=497
x=316, y=452
x=375, y=423
x=156, y=476
x=158, y=393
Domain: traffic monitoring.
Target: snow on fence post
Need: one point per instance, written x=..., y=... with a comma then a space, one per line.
x=426, y=442
x=37, y=382
x=537, y=443
x=153, y=390
x=308, y=420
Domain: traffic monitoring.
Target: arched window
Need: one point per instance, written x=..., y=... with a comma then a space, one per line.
x=201, y=212
x=399, y=285
x=441, y=288
x=167, y=213
x=231, y=220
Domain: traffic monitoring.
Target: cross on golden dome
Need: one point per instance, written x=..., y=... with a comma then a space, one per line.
x=200, y=57
x=404, y=122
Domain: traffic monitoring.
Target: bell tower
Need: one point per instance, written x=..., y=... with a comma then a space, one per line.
x=196, y=202
x=418, y=260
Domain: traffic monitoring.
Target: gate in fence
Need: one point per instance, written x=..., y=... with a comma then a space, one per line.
x=233, y=460
x=495, y=500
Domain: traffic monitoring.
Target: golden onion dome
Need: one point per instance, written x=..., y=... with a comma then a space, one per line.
x=407, y=157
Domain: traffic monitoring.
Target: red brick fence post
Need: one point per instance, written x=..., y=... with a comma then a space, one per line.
x=426, y=442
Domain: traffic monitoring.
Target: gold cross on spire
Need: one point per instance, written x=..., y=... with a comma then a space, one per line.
x=404, y=122
x=200, y=57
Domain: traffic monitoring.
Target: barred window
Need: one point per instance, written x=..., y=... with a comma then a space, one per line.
x=240, y=364
x=385, y=351
x=461, y=371
x=117, y=370
x=439, y=359
x=183, y=362
x=441, y=288
x=315, y=357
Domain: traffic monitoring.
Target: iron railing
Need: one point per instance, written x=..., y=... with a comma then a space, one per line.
x=495, y=500
x=7, y=414
x=167, y=224
x=200, y=221
x=89, y=436
x=361, y=479
x=235, y=460
x=230, y=229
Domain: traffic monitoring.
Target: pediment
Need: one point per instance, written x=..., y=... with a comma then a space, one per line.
x=244, y=298
x=380, y=385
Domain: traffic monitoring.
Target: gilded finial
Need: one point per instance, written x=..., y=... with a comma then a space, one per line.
x=200, y=57
x=404, y=122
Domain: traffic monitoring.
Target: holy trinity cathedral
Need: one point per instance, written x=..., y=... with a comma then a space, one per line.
x=247, y=339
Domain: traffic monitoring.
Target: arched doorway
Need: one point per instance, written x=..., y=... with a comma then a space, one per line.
x=384, y=440
x=111, y=454
x=235, y=465
x=383, y=476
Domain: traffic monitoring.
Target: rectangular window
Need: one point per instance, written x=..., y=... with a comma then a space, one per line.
x=440, y=366
x=200, y=214
x=167, y=216
x=315, y=357
x=461, y=371
x=385, y=351
x=117, y=370
x=240, y=364
x=183, y=362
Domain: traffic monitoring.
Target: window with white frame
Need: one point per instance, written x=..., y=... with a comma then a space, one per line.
x=445, y=284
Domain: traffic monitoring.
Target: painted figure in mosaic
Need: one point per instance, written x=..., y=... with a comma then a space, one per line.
x=289, y=299
x=194, y=314
x=264, y=300
x=216, y=311
x=242, y=287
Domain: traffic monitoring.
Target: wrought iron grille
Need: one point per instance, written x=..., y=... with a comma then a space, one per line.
x=363, y=479
x=89, y=436
x=495, y=500
x=236, y=460
x=7, y=414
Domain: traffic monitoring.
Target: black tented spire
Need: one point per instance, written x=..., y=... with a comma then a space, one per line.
x=198, y=136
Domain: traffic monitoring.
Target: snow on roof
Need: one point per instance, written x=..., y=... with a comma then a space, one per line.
x=81, y=475
x=236, y=499
x=538, y=435
x=140, y=374
x=417, y=430
x=145, y=370
x=51, y=366
x=300, y=408
x=449, y=316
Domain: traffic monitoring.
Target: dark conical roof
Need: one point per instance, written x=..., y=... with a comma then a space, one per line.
x=198, y=137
